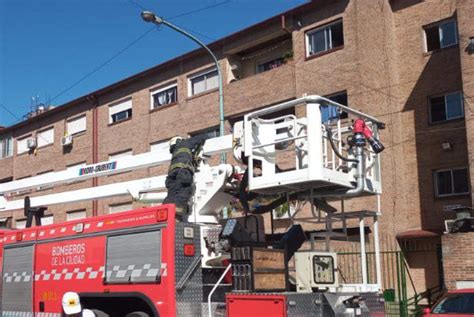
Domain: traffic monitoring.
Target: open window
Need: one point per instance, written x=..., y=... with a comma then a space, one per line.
x=120, y=111
x=440, y=35
x=446, y=107
x=164, y=96
x=329, y=113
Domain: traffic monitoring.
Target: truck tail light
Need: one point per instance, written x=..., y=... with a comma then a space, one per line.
x=19, y=236
x=161, y=215
x=189, y=250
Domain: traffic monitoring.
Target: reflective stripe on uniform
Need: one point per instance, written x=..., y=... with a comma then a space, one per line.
x=181, y=165
x=183, y=150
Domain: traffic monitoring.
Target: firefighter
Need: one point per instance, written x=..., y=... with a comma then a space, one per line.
x=72, y=306
x=184, y=161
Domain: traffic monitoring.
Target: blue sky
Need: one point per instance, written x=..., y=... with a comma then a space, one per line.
x=48, y=45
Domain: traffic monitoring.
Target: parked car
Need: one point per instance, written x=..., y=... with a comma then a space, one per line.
x=453, y=303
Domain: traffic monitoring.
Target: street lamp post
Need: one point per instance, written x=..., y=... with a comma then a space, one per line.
x=149, y=16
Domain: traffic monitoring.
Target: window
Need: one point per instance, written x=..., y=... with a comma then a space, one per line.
x=47, y=220
x=325, y=38
x=441, y=35
x=76, y=125
x=447, y=107
x=118, y=155
x=45, y=137
x=6, y=179
x=164, y=96
x=274, y=63
x=23, y=191
x=451, y=182
x=208, y=133
x=121, y=111
x=329, y=112
x=6, y=146
x=20, y=223
x=44, y=187
x=76, y=215
x=22, y=145
x=72, y=167
x=6, y=222
x=75, y=165
x=159, y=146
x=120, y=207
x=202, y=82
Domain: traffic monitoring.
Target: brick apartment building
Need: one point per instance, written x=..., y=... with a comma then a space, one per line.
x=406, y=62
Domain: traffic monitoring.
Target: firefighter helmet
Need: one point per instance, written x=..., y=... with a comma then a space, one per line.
x=175, y=140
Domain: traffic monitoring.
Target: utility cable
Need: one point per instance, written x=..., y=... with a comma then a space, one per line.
x=95, y=70
x=197, y=10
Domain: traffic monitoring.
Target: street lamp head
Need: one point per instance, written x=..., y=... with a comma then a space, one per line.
x=149, y=16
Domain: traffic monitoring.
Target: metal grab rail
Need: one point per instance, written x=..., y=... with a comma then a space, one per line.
x=313, y=153
x=182, y=282
x=214, y=289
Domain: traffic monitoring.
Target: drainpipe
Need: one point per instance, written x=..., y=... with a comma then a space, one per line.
x=283, y=24
x=95, y=147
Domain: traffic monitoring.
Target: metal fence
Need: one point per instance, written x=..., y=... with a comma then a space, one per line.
x=396, y=279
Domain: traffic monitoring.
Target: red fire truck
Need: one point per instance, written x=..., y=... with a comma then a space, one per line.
x=143, y=263
x=138, y=263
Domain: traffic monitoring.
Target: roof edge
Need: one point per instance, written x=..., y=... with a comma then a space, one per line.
x=137, y=76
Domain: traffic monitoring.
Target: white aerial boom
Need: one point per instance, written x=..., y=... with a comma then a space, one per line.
x=315, y=165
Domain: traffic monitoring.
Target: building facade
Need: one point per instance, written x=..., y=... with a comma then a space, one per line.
x=407, y=62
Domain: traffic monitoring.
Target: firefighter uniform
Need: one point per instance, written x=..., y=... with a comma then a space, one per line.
x=179, y=181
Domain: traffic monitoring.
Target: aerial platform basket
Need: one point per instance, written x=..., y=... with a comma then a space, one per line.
x=292, y=152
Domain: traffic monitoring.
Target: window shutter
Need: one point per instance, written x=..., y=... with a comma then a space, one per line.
x=134, y=258
x=46, y=137
x=76, y=215
x=22, y=145
x=76, y=125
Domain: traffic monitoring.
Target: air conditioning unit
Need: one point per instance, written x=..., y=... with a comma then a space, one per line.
x=66, y=140
x=448, y=225
x=315, y=270
x=31, y=143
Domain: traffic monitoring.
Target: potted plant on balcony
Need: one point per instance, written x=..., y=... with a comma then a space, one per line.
x=287, y=56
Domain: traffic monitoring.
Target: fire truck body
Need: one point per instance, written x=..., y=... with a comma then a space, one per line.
x=140, y=260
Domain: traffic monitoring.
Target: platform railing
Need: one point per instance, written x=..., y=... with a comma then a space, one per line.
x=291, y=149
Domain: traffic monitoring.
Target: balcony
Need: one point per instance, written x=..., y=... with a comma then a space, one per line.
x=260, y=76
